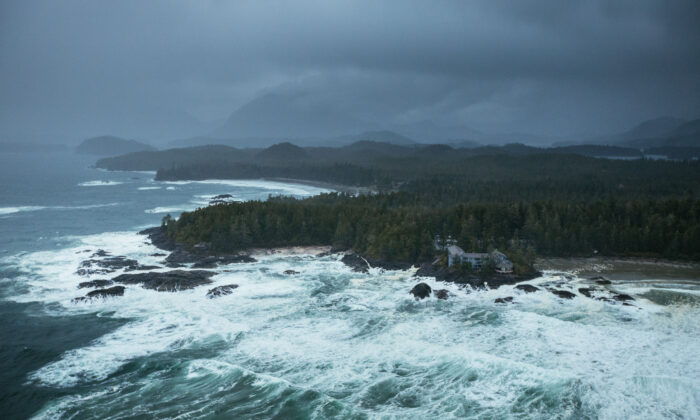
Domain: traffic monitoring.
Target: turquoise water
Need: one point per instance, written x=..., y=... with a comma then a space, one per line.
x=324, y=343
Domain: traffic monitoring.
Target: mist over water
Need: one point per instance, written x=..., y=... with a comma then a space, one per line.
x=326, y=342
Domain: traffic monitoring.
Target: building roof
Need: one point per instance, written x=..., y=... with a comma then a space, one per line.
x=455, y=250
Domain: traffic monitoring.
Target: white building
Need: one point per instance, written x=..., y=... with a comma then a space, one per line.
x=477, y=260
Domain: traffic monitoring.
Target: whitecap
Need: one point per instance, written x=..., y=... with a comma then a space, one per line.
x=148, y=188
x=172, y=209
x=19, y=209
x=85, y=207
x=98, y=183
x=10, y=210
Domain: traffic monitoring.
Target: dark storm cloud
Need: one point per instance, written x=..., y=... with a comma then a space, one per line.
x=158, y=69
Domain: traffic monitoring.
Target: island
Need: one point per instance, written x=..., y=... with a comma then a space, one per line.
x=111, y=146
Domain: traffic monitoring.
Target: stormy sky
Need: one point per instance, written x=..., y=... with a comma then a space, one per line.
x=166, y=70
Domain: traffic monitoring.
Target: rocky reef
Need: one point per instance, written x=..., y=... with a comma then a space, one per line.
x=169, y=281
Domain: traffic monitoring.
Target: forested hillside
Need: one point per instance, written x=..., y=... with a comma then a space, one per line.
x=548, y=204
x=382, y=226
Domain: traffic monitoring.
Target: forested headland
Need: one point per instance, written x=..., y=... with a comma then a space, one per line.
x=548, y=204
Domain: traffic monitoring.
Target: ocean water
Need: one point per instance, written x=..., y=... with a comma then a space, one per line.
x=324, y=343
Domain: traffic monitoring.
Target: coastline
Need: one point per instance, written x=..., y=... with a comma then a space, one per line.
x=320, y=184
x=617, y=268
x=358, y=263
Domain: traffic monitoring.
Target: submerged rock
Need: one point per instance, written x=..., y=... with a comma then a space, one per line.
x=622, y=297
x=94, y=283
x=112, y=291
x=564, y=294
x=508, y=299
x=221, y=290
x=169, y=281
x=527, y=288
x=101, y=293
x=110, y=265
x=421, y=291
x=442, y=294
x=290, y=272
x=356, y=262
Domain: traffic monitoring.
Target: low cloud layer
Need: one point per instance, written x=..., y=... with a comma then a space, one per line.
x=166, y=70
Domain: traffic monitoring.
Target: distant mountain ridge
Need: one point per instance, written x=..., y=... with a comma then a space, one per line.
x=111, y=146
x=306, y=119
x=658, y=127
x=362, y=152
x=283, y=152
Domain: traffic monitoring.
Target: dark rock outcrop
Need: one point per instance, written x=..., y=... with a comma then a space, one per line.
x=221, y=290
x=508, y=299
x=290, y=272
x=587, y=291
x=101, y=293
x=112, y=291
x=180, y=256
x=564, y=294
x=199, y=257
x=621, y=297
x=527, y=288
x=421, y=291
x=159, y=237
x=442, y=294
x=356, y=262
x=389, y=265
x=169, y=281
x=95, y=283
x=475, y=280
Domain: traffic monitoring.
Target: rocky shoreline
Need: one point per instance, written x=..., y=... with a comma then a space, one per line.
x=477, y=281
x=358, y=263
x=199, y=257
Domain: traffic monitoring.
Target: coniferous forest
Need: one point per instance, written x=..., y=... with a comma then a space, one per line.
x=540, y=204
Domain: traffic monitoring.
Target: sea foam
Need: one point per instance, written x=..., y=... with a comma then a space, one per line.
x=365, y=341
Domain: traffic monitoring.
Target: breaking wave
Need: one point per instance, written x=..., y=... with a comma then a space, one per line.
x=329, y=342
